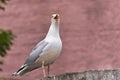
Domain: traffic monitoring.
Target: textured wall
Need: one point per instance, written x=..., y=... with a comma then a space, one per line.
x=90, y=31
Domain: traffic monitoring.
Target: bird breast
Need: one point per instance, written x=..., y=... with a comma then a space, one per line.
x=51, y=51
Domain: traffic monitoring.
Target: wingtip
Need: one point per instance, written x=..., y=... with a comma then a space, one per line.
x=14, y=74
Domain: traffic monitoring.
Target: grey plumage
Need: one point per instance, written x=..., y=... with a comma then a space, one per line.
x=35, y=52
x=46, y=51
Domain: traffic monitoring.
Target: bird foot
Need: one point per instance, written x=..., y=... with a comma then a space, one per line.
x=50, y=76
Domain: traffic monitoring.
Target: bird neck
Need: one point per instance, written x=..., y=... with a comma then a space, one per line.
x=53, y=30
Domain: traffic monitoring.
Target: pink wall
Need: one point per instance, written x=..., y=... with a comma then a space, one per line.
x=90, y=31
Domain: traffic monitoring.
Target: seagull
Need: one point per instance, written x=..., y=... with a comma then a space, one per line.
x=45, y=52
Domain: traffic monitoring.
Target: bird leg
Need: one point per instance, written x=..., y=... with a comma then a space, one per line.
x=43, y=68
x=48, y=70
x=49, y=75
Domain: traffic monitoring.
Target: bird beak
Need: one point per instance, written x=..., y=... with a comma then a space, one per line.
x=56, y=17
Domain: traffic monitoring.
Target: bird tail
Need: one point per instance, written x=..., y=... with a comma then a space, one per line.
x=20, y=72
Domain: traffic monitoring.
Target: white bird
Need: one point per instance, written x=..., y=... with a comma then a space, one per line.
x=45, y=52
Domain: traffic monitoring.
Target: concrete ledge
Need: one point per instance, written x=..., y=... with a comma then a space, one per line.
x=107, y=74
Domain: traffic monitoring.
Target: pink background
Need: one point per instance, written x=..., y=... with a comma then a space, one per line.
x=90, y=31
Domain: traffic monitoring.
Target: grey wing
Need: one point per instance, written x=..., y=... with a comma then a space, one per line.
x=37, y=50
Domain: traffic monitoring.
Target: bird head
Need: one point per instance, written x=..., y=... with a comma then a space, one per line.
x=55, y=17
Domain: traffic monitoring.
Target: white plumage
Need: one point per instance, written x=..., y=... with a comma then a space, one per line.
x=46, y=51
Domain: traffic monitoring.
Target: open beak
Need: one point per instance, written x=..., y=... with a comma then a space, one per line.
x=56, y=17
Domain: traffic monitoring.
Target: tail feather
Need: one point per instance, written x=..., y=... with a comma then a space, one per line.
x=20, y=71
x=15, y=74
